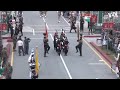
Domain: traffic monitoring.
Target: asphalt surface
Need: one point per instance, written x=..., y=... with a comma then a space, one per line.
x=73, y=66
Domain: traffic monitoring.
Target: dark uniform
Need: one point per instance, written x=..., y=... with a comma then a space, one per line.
x=55, y=40
x=16, y=29
x=81, y=24
x=26, y=45
x=66, y=42
x=21, y=27
x=73, y=22
x=79, y=46
x=91, y=27
x=12, y=31
x=14, y=42
x=46, y=46
x=58, y=50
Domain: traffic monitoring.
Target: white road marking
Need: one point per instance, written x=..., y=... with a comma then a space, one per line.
x=36, y=38
x=60, y=55
x=49, y=25
x=63, y=62
x=33, y=31
x=100, y=60
x=96, y=63
x=92, y=49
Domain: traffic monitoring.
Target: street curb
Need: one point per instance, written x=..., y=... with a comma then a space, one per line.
x=108, y=59
x=6, y=37
x=9, y=40
x=91, y=36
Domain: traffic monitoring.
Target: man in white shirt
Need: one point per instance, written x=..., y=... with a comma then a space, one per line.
x=20, y=47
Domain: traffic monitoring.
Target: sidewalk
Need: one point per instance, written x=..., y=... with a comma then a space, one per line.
x=92, y=40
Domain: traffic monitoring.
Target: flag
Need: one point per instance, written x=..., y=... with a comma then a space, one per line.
x=46, y=32
x=36, y=61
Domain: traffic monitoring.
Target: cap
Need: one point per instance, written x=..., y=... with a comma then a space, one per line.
x=32, y=51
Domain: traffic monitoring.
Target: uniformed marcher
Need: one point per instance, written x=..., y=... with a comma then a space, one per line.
x=21, y=28
x=66, y=42
x=12, y=31
x=55, y=39
x=26, y=45
x=81, y=24
x=73, y=22
x=20, y=47
x=14, y=42
x=79, y=46
x=91, y=27
x=16, y=29
x=46, y=46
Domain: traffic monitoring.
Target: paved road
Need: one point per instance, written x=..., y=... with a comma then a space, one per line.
x=58, y=67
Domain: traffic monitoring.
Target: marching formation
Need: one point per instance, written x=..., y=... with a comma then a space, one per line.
x=61, y=42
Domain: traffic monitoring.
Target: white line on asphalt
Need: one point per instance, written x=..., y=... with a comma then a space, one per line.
x=49, y=25
x=100, y=60
x=36, y=38
x=96, y=63
x=63, y=62
x=33, y=31
x=92, y=49
x=44, y=20
x=60, y=55
x=65, y=20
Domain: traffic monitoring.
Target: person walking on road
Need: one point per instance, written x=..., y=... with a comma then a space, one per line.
x=72, y=22
x=81, y=24
x=12, y=31
x=14, y=42
x=21, y=28
x=79, y=46
x=16, y=29
x=20, y=47
x=26, y=45
x=91, y=27
x=59, y=16
x=46, y=46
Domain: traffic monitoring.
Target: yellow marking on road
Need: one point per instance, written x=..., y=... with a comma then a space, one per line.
x=12, y=57
x=93, y=49
x=98, y=54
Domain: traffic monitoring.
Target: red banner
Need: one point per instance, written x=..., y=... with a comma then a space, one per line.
x=105, y=25
x=93, y=19
x=108, y=25
x=3, y=26
x=111, y=25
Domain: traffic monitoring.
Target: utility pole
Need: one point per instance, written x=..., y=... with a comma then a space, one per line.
x=0, y=33
x=100, y=17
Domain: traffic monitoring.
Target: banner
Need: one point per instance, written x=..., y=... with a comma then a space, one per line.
x=93, y=19
x=108, y=25
x=3, y=26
